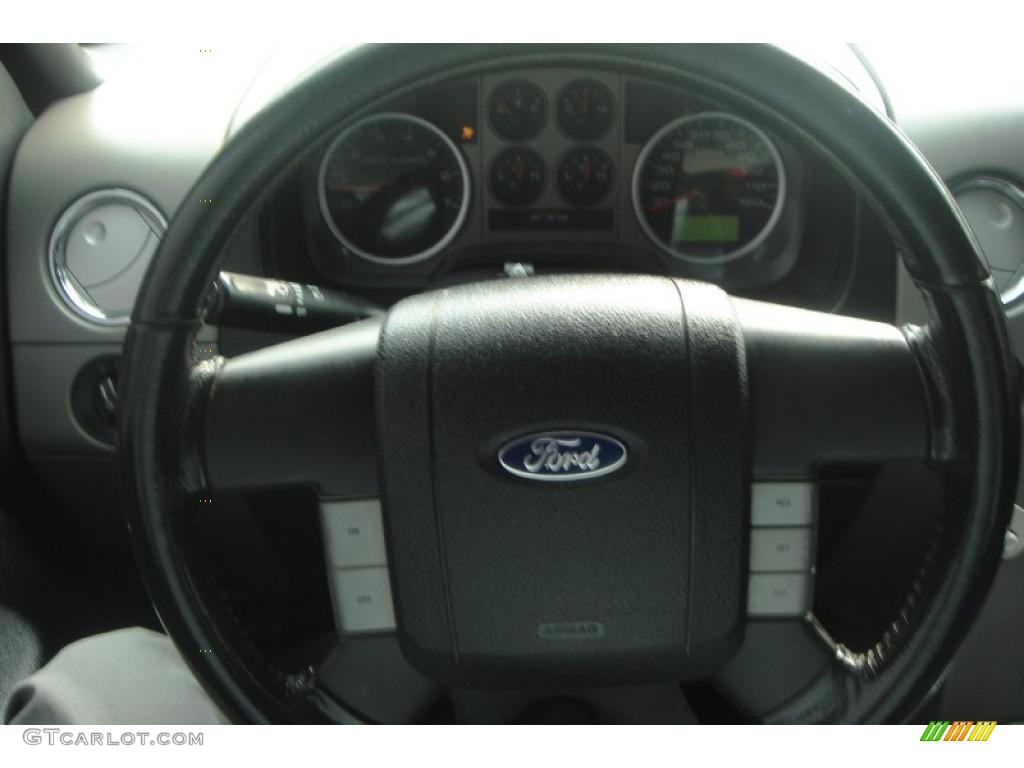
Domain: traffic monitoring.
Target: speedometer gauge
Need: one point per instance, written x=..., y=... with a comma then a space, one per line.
x=394, y=189
x=709, y=187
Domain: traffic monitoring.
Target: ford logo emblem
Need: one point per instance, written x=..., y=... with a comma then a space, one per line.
x=562, y=456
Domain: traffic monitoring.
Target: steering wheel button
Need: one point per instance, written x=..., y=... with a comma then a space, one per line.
x=779, y=594
x=362, y=600
x=780, y=549
x=781, y=503
x=353, y=533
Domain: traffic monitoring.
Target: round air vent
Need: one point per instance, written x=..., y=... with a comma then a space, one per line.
x=994, y=208
x=99, y=252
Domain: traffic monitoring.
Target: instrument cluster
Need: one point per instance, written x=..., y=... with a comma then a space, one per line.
x=547, y=166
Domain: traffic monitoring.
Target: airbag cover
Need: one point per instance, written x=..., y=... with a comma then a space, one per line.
x=616, y=553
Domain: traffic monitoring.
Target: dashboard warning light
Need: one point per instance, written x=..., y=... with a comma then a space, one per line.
x=467, y=133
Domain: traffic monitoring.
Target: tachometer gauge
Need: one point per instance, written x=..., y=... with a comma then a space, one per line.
x=394, y=189
x=709, y=187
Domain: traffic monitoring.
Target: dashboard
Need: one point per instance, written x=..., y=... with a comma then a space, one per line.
x=513, y=173
x=542, y=171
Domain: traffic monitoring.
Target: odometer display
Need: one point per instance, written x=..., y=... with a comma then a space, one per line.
x=394, y=189
x=709, y=187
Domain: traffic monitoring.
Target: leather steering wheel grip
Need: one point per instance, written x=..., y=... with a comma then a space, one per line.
x=964, y=354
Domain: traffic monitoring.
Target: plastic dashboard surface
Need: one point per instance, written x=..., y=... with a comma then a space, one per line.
x=111, y=137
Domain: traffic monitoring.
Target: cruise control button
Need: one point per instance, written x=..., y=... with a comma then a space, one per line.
x=781, y=503
x=354, y=533
x=780, y=549
x=779, y=594
x=362, y=600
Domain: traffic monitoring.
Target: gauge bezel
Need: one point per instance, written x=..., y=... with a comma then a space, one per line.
x=585, y=148
x=544, y=118
x=536, y=156
x=415, y=258
x=600, y=86
x=743, y=250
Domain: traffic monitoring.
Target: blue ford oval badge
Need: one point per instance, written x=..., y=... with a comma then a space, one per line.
x=562, y=456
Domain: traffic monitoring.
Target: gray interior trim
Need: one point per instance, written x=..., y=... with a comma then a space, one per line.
x=94, y=141
x=43, y=378
x=78, y=146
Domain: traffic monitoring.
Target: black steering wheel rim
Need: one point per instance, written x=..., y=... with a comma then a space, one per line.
x=965, y=350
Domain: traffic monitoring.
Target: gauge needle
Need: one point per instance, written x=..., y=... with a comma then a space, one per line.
x=668, y=203
x=588, y=170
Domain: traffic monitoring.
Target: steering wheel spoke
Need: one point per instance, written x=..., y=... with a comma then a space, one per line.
x=824, y=390
x=299, y=413
x=827, y=389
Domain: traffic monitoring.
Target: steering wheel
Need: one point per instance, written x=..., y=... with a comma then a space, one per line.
x=639, y=574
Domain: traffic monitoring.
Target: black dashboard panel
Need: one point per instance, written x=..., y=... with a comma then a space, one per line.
x=550, y=158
